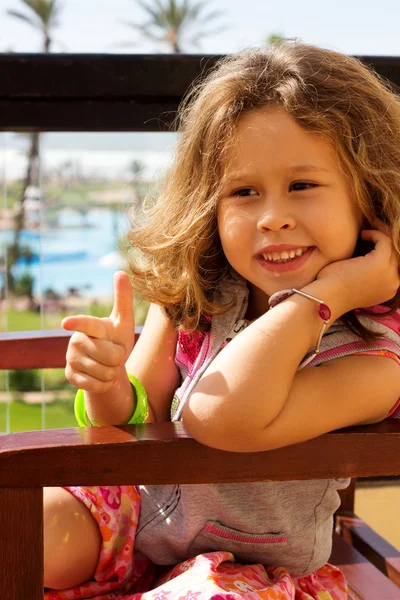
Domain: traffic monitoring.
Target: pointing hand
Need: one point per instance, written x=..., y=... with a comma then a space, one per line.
x=99, y=348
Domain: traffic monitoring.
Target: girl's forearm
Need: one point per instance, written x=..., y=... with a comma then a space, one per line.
x=114, y=407
x=247, y=384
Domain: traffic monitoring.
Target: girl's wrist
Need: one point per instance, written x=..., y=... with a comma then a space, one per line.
x=333, y=294
x=114, y=407
x=319, y=304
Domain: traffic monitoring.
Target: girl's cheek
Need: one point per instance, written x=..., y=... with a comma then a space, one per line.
x=229, y=223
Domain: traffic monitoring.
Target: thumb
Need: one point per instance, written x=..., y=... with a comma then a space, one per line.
x=122, y=312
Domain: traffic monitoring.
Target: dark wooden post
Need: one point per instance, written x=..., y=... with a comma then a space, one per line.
x=21, y=534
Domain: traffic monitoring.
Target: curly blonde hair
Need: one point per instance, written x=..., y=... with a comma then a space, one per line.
x=181, y=260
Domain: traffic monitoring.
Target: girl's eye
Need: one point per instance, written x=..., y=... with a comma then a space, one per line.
x=242, y=192
x=299, y=186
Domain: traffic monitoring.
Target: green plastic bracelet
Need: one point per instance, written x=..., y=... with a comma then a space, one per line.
x=138, y=416
x=142, y=404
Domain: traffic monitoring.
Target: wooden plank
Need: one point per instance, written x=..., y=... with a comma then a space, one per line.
x=33, y=350
x=36, y=349
x=375, y=548
x=95, y=92
x=366, y=582
x=106, y=455
x=386, y=66
x=100, y=76
x=108, y=92
x=21, y=534
x=116, y=76
x=88, y=115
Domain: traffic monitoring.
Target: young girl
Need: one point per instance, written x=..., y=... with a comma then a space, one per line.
x=274, y=249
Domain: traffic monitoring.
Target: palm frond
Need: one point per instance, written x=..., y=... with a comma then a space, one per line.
x=31, y=4
x=48, y=11
x=175, y=12
x=174, y=18
x=145, y=32
x=153, y=12
x=56, y=8
x=18, y=15
x=138, y=26
x=45, y=11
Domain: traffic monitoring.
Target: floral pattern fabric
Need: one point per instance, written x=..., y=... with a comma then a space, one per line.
x=124, y=574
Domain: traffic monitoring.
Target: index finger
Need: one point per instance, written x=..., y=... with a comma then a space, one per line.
x=123, y=298
x=95, y=327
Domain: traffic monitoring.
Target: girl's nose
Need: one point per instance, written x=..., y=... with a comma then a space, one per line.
x=276, y=216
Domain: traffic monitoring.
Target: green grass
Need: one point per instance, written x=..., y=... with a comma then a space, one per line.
x=28, y=320
x=28, y=417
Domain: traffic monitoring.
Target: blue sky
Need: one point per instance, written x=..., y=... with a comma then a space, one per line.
x=350, y=26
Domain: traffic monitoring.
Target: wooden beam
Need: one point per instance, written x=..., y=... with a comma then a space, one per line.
x=87, y=115
x=128, y=455
x=36, y=349
x=365, y=581
x=94, y=92
x=99, y=76
x=21, y=534
x=376, y=549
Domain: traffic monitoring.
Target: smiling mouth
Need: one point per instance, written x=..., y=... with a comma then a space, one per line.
x=280, y=264
x=285, y=256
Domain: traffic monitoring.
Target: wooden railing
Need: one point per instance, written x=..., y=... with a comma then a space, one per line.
x=93, y=92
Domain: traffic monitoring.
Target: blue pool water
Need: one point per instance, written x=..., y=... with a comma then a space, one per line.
x=70, y=253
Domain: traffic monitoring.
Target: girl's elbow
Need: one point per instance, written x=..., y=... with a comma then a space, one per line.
x=218, y=434
x=199, y=428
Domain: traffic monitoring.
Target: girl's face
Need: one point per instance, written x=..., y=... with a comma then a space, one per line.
x=284, y=193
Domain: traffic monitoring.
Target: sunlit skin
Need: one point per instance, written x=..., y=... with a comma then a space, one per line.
x=283, y=185
x=72, y=540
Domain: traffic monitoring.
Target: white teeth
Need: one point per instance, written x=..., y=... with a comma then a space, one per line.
x=283, y=256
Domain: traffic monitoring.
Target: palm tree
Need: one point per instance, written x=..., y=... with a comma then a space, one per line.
x=170, y=22
x=42, y=15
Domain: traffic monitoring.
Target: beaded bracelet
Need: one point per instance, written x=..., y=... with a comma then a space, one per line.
x=323, y=311
x=139, y=413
